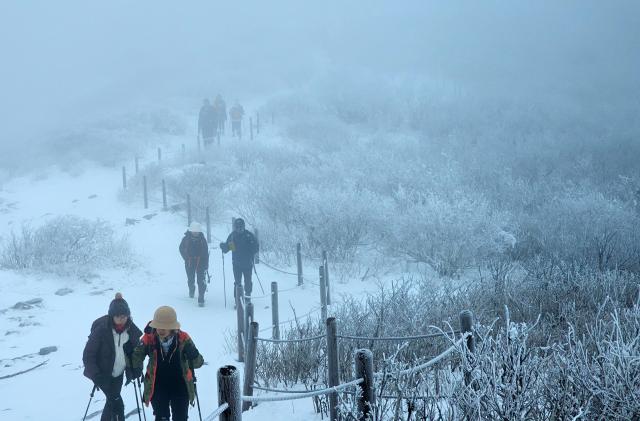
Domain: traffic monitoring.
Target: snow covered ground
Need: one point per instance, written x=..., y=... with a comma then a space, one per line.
x=57, y=390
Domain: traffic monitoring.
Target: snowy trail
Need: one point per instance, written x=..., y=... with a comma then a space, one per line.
x=58, y=390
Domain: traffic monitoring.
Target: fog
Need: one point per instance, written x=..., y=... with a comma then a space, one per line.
x=66, y=61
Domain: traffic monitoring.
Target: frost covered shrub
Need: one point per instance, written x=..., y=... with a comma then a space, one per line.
x=506, y=376
x=601, y=368
x=337, y=218
x=450, y=234
x=66, y=244
x=585, y=227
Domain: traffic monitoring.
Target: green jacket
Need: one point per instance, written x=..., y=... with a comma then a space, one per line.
x=148, y=348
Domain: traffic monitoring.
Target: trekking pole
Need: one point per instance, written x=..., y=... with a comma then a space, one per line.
x=135, y=391
x=144, y=414
x=258, y=278
x=195, y=388
x=89, y=404
x=224, y=280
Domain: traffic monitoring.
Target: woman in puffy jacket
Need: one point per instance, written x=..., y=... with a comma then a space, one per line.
x=107, y=355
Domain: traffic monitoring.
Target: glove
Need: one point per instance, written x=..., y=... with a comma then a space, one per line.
x=190, y=351
x=224, y=247
x=132, y=374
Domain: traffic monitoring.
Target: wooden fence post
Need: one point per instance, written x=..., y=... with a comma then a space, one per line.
x=251, y=127
x=137, y=160
x=124, y=177
x=323, y=294
x=188, y=209
x=250, y=364
x=248, y=319
x=256, y=258
x=144, y=190
x=299, y=262
x=229, y=393
x=208, y=226
x=164, y=195
x=332, y=364
x=257, y=122
x=364, y=370
x=466, y=326
x=275, y=317
x=159, y=154
x=240, y=319
x=325, y=264
x=184, y=151
x=218, y=137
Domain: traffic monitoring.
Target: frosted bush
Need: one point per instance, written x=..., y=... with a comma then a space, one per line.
x=450, y=234
x=66, y=244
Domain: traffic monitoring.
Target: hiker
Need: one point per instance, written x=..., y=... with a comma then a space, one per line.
x=169, y=381
x=207, y=124
x=107, y=355
x=236, y=113
x=243, y=246
x=221, y=113
x=195, y=252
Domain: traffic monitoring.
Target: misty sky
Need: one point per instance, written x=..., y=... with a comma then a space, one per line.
x=63, y=61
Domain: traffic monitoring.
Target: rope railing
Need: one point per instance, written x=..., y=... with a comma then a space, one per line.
x=427, y=364
x=268, y=389
x=398, y=338
x=292, y=396
x=217, y=412
x=315, y=310
x=282, y=341
x=262, y=261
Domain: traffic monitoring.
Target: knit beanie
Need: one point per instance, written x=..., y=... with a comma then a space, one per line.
x=119, y=307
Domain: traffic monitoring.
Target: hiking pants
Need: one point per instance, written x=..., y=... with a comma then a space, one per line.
x=168, y=405
x=114, y=407
x=238, y=273
x=236, y=128
x=191, y=280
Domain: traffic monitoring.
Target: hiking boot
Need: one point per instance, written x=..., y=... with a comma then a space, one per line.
x=192, y=294
x=200, y=303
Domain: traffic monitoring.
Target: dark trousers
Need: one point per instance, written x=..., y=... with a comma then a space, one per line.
x=114, y=408
x=166, y=404
x=238, y=273
x=191, y=280
x=236, y=128
x=208, y=134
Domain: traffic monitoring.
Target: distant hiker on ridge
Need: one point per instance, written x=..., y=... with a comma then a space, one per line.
x=207, y=123
x=195, y=253
x=243, y=245
x=107, y=355
x=221, y=113
x=236, y=113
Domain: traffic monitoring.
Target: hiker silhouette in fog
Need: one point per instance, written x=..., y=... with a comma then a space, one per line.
x=107, y=355
x=207, y=123
x=236, y=113
x=195, y=252
x=221, y=113
x=243, y=246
